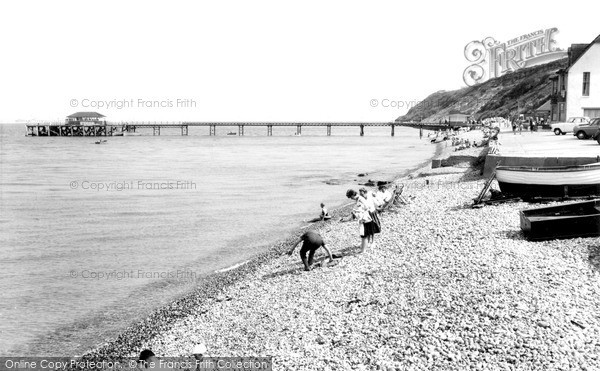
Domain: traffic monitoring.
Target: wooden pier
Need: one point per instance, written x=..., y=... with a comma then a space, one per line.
x=298, y=125
x=129, y=128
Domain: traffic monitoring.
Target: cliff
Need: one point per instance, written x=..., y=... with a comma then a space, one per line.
x=517, y=92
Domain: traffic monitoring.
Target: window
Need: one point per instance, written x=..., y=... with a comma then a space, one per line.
x=586, y=84
x=561, y=112
x=591, y=112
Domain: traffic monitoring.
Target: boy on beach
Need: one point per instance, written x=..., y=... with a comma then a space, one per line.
x=324, y=215
x=312, y=242
x=324, y=212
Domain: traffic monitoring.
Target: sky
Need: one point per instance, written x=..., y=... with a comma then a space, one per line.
x=252, y=60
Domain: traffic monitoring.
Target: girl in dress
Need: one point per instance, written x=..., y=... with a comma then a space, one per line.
x=373, y=214
x=365, y=222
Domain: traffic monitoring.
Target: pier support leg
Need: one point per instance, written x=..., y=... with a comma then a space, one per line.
x=299, y=130
x=184, y=130
x=240, y=130
x=156, y=130
x=362, y=130
x=328, y=130
x=269, y=130
x=392, y=130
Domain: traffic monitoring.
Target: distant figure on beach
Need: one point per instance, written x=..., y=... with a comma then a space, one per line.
x=531, y=124
x=520, y=126
x=311, y=243
x=514, y=126
x=382, y=197
x=324, y=212
x=324, y=215
x=366, y=226
x=198, y=352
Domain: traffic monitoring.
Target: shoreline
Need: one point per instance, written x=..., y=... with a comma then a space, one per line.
x=214, y=282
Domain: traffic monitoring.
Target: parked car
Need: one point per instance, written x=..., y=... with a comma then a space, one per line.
x=596, y=136
x=567, y=127
x=585, y=131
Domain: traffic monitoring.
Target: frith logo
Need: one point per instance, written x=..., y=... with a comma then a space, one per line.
x=491, y=58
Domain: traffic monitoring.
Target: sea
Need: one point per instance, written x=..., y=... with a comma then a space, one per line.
x=102, y=234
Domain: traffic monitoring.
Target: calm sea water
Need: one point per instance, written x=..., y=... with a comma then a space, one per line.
x=101, y=234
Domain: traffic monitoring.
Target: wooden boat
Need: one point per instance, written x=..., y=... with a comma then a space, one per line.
x=571, y=220
x=550, y=182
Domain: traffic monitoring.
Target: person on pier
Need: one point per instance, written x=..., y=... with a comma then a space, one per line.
x=312, y=241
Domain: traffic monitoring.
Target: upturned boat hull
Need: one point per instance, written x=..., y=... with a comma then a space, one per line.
x=572, y=220
x=566, y=181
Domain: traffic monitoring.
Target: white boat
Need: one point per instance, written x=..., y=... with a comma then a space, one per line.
x=551, y=181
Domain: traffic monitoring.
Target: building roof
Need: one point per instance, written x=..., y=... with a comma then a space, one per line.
x=85, y=114
x=544, y=107
x=583, y=51
x=575, y=50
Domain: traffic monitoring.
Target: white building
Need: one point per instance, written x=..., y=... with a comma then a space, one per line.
x=456, y=116
x=583, y=83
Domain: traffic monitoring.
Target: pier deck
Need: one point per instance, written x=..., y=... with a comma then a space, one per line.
x=118, y=129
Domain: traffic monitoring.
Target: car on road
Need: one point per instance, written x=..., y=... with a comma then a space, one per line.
x=566, y=127
x=586, y=131
x=596, y=136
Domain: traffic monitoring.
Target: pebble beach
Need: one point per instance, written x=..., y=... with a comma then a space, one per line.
x=446, y=287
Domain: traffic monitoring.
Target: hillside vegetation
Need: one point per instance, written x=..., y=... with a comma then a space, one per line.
x=517, y=92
